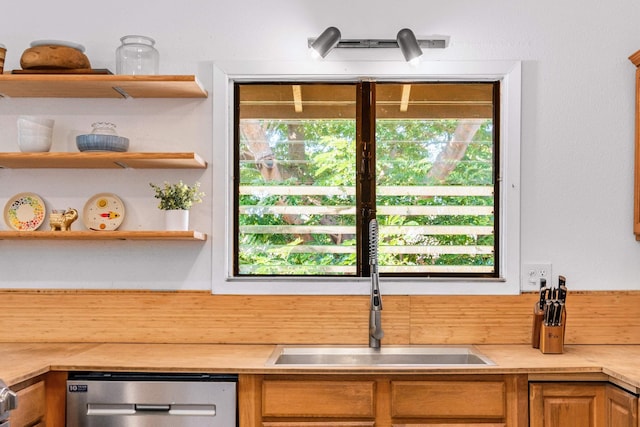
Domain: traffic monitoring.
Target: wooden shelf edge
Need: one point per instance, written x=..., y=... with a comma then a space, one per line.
x=102, y=160
x=104, y=235
x=112, y=78
x=100, y=86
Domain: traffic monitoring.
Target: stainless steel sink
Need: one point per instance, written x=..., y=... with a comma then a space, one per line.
x=385, y=356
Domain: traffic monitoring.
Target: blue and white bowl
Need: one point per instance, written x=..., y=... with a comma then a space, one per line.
x=98, y=142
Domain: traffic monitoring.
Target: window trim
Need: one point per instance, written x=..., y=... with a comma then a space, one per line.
x=508, y=72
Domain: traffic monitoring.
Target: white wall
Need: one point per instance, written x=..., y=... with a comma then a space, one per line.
x=577, y=122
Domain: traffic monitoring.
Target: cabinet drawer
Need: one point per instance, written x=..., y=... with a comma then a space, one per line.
x=320, y=424
x=318, y=398
x=448, y=399
x=470, y=424
x=31, y=406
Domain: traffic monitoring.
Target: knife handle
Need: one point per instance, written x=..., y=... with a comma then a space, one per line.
x=538, y=318
x=562, y=281
x=562, y=293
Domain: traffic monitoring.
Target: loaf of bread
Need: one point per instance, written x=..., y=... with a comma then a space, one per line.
x=51, y=57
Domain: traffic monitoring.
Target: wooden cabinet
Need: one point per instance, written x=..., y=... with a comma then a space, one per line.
x=621, y=408
x=581, y=404
x=31, y=406
x=41, y=401
x=337, y=400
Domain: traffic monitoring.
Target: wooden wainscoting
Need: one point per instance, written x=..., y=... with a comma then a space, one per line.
x=199, y=317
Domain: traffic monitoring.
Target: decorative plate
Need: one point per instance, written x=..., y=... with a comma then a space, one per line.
x=24, y=212
x=103, y=212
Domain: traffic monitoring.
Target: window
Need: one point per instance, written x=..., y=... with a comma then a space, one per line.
x=495, y=269
x=317, y=161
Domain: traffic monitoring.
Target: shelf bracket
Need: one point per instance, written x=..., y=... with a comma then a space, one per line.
x=122, y=92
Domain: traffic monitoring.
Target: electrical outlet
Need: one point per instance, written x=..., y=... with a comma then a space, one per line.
x=532, y=274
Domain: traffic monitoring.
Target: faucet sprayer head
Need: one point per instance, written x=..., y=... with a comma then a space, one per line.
x=376, y=302
x=373, y=242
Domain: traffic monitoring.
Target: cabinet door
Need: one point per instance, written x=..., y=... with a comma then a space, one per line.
x=31, y=406
x=447, y=424
x=448, y=399
x=621, y=407
x=323, y=423
x=567, y=404
x=328, y=399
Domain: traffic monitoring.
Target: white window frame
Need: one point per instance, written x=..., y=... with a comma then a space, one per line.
x=225, y=74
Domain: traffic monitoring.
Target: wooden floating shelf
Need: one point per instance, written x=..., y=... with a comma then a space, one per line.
x=100, y=86
x=102, y=160
x=103, y=235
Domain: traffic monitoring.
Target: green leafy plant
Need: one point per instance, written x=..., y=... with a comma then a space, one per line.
x=177, y=196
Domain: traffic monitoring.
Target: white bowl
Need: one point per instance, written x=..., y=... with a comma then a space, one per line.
x=35, y=121
x=35, y=133
x=34, y=143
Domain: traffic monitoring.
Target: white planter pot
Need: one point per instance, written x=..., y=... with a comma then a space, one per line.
x=176, y=220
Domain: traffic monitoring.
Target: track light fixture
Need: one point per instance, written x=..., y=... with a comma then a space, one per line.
x=321, y=46
x=406, y=40
x=409, y=46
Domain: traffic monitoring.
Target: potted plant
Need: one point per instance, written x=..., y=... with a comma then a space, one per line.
x=176, y=200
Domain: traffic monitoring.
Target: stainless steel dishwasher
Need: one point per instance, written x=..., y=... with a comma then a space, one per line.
x=125, y=399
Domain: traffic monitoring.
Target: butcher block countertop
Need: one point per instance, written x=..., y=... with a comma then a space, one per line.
x=23, y=361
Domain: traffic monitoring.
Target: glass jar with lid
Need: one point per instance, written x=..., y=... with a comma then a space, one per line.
x=137, y=55
x=103, y=128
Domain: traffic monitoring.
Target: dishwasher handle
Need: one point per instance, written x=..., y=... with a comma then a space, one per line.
x=142, y=408
x=110, y=409
x=193, y=410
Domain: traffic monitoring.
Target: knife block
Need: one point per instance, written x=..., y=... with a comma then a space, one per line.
x=552, y=337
